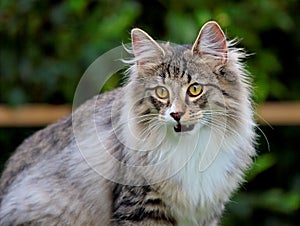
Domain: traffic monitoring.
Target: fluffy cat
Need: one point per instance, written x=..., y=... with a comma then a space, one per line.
x=168, y=148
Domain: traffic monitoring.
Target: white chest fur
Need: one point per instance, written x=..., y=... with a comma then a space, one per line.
x=196, y=173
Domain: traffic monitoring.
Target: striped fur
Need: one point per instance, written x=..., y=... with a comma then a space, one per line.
x=169, y=148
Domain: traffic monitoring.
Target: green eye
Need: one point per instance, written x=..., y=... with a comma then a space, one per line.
x=194, y=90
x=161, y=92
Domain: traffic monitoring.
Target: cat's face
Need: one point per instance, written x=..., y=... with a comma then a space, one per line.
x=177, y=94
x=181, y=95
x=186, y=87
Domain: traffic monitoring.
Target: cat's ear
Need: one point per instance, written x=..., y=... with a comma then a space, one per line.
x=211, y=42
x=145, y=49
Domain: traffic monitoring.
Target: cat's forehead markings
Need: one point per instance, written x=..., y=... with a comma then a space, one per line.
x=175, y=70
x=168, y=70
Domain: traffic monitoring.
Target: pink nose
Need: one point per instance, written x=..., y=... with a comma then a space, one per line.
x=176, y=115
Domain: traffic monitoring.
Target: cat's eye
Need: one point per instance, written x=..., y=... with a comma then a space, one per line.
x=194, y=90
x=162, y=92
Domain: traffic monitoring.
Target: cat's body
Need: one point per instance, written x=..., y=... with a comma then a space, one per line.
x=169, y=148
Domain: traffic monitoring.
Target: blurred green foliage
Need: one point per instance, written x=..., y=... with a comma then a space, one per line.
x=271, y=196
x=45, y=47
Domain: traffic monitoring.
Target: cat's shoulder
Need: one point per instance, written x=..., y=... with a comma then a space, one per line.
x=55, y=137
x=60, y=133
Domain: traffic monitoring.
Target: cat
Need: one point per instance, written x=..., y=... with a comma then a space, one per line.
x=168, y=148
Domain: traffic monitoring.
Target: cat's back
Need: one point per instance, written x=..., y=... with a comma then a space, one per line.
x=51, y=150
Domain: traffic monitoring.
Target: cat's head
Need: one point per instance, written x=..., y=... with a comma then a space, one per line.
x=188, y=87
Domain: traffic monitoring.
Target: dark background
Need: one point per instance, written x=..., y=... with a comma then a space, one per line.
x=45, y=47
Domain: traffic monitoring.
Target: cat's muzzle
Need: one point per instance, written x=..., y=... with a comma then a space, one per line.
x=183, y=128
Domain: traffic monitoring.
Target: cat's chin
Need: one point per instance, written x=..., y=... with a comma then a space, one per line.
x=178, y=128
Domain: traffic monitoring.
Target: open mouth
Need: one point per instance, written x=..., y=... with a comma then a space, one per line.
x=183, y=128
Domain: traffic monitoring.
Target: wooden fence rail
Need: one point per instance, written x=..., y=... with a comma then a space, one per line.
x=31, y=115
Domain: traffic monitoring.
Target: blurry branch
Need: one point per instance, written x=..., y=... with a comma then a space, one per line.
x=274, y=113
x=32, y=115
x=279, y=113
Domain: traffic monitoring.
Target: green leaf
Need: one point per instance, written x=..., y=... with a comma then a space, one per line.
x=261, y=164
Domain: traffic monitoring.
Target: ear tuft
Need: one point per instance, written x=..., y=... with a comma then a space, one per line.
x=144, y=47
x=211, y=42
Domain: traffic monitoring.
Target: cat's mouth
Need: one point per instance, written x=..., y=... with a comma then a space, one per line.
x=183, y=128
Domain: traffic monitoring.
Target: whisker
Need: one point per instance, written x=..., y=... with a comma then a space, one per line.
x=265, y=121
x=139, y=119
x=153, y=123
x=232, y=116
x=265, y=137
x=212, y=125
x=221, y=125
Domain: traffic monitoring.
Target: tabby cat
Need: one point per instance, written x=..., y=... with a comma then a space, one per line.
x=167, y=148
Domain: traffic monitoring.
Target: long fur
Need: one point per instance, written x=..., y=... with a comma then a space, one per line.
x=118, y=159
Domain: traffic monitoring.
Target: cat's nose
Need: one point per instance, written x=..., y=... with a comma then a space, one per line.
x=176, y=115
